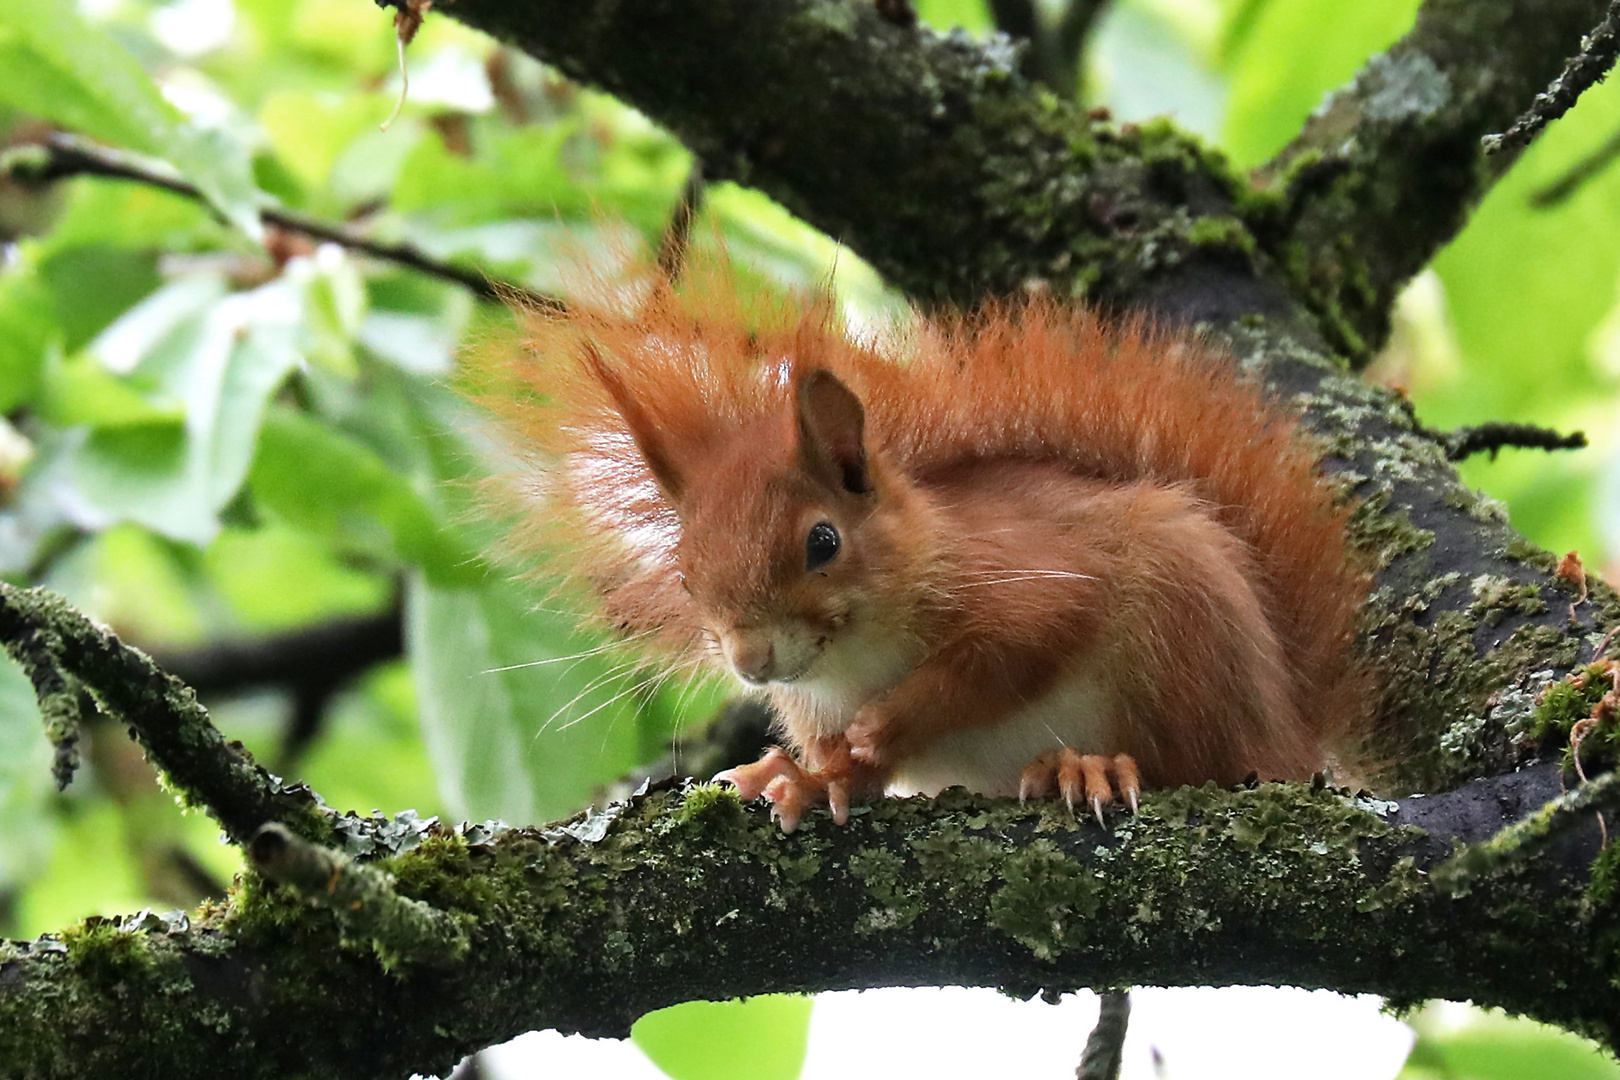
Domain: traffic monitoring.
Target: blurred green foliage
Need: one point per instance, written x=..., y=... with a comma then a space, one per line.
x=206, y=439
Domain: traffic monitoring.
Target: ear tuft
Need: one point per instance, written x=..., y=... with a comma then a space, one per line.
x=832, y=424
x=650, y=438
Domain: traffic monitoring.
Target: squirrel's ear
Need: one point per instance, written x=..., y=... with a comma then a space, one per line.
x=649, y=439
x=831, y=431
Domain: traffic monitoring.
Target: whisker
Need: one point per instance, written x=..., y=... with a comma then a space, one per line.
x=1032, y=576
x=616, y=671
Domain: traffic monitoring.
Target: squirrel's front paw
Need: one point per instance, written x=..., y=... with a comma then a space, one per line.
x=752, y=780
x=790, y=788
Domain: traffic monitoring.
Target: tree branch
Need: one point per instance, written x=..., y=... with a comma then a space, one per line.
x=1584, y=70
x=938, y=162
x=683, y=893
x=932, y=157
x=63, y=156
x=1385, y=173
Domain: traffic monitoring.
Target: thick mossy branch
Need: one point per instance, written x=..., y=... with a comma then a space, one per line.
x=1386, y=172
x=63, y=651
x=687, y=894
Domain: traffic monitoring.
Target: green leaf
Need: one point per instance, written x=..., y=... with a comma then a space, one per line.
x=278, y=578
x=1494, y=1047
x=323, y=480
x=25, y=781
x=79, y=390
x=93, y=284
x=65, y=68
x=28, y=332
x=525, y=715
x=760, y=1038
x=217, y=357
x=91, y=872
x=1290, y=56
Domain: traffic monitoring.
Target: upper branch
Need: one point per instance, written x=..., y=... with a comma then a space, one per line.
x=1387, y=171
x=930, y=155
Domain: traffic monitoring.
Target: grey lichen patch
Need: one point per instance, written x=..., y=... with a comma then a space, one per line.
x=841, y=19
x=1497, y=597
x=1518, y=708
x=1045, y=899
x=1403, y=86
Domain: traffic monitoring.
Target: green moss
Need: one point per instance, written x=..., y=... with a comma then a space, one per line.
x=1045, y=899
x=1520, y=550
x=884, y=875
x=1476, y=504
x=1221, y=232
x=703, y=804
x=104, y=953
x=1403, y=886
x=1605, y=876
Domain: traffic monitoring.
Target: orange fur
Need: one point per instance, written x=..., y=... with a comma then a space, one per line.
x=1041, y=514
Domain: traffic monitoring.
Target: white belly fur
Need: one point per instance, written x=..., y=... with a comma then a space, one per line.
x=989, y=759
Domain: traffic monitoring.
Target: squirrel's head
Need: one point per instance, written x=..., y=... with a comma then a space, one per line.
x=792, y=529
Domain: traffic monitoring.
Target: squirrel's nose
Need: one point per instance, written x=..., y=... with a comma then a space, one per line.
x=751, y=656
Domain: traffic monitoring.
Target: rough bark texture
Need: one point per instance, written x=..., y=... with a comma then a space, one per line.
x=934, y=158
x=686, y=893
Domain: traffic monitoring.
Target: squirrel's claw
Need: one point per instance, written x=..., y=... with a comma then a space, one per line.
x=1082, y=778
x=752, y=780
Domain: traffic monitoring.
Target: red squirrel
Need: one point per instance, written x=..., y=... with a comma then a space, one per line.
x=1025, y=550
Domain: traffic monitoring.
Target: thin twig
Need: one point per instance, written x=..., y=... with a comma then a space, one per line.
x=1105, y=1049
x=1492, y=437
x=1052, y=56
x=63, y=156
x=1073, y=27
x=1585, y=69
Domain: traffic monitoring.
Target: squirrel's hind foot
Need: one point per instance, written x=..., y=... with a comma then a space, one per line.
x=1078, y=776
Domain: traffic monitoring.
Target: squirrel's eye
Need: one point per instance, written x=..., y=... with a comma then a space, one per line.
x=820, y=545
